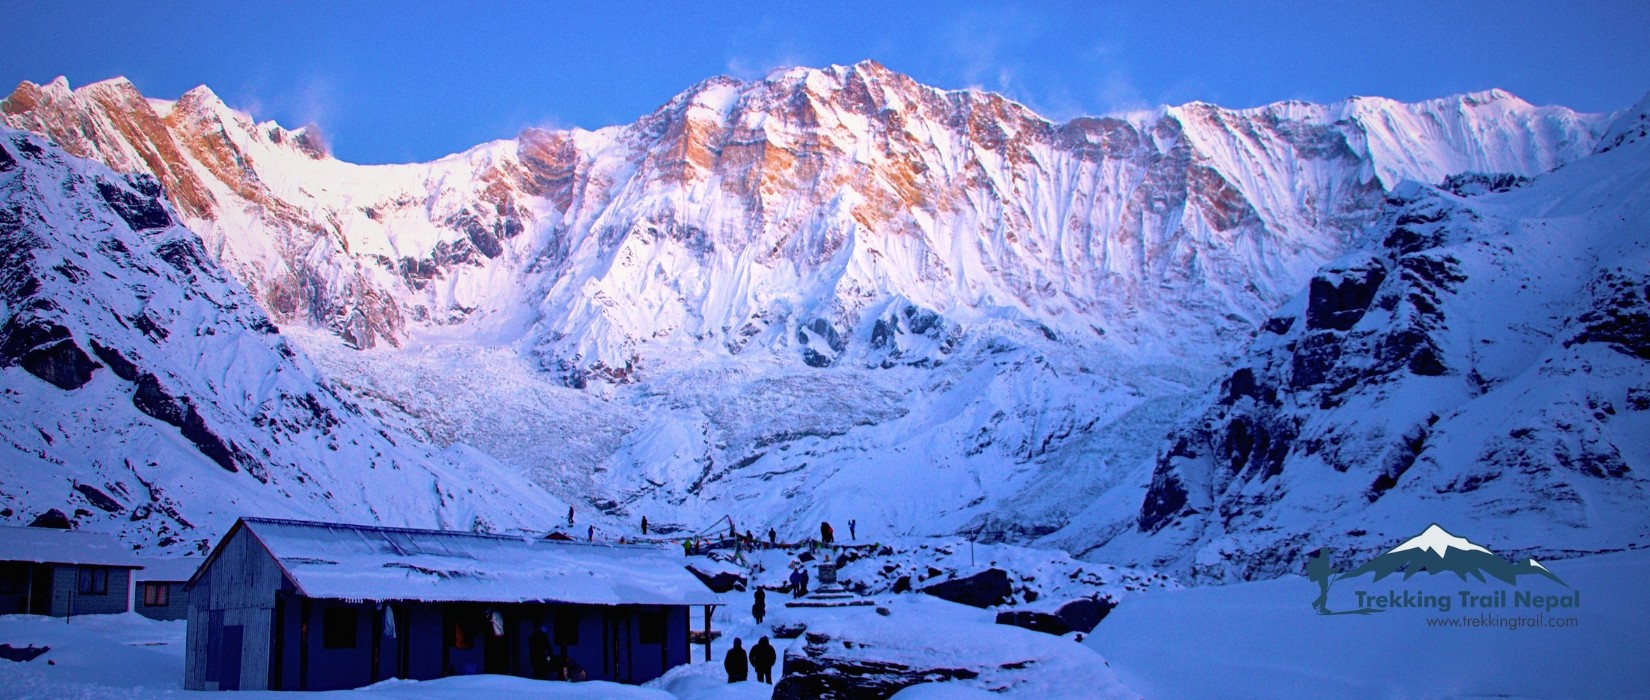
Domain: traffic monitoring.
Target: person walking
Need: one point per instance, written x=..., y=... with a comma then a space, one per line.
x=760, y=607
x=773, y=538
x=734, y=662
x=762, y=658
x=796, y=583
x=570, y=516
x=826, y=535
x=644, y=524
x=590, y=535
x=852, y=525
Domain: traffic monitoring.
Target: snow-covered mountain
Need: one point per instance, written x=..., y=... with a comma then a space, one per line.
x=1479, y=360
x=142, y=390
x=827, y=214
x=829, y=294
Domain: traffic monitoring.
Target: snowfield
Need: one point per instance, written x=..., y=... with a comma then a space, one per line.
x=1262, y=640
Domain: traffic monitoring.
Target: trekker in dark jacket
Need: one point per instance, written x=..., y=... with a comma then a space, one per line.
x=760, y=607
x=738, y=670
x=826, y=535
x=762, y=658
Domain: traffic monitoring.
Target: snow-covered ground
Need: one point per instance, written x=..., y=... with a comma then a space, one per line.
x=1263, y=640
x=131, y=657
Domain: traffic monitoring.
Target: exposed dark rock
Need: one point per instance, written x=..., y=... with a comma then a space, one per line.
x=813, y=358
x=1337, y=299
x=1083, y=614
x=1035, y=621
x=901, y=585
x=1278, y=326
x=1470, y=184
x=99, y=498
x=1165, y=498
x=140, y=211
x=122, y=367
x=54, y=519
x=63, y=364
x=1313, y=359
x=153, y=401
x=820, y=673
x=1638, y=398
x=981, y=590
x=6, y=160
x=23, y=335
x=1619, y=317
x=183, y=254
x=720, y=582
x=155, y=331
x=21, y=654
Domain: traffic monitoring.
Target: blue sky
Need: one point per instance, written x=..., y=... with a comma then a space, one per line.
x=392, y=82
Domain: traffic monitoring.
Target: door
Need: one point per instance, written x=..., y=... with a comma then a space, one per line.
x=40, y=589
x=229, y=658
x=498, y=647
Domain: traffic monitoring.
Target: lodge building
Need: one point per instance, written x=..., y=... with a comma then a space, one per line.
x=293, y=605
x=63, y=573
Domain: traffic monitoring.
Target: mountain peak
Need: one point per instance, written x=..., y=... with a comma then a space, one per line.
x=1438, y=540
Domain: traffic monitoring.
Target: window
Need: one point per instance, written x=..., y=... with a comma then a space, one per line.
x=338, y=628
x=94, y=581
x=156, y=594
x=462, y=633
x=567, y=627
x=13, y=578
x=652, y=627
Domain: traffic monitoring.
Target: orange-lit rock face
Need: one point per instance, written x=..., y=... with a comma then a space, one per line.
x=110, y=121
x=855, y=178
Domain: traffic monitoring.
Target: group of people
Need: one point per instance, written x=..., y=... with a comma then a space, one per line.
x=761, y=657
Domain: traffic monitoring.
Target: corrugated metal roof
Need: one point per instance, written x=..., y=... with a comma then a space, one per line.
x=168, y=568
x=362, y=562
x=50, y=545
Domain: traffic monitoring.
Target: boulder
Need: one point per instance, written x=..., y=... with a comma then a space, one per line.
x=1083, y=614
x=981, y=590
x=1047, y=623
x=53, y=518
x=820, y=673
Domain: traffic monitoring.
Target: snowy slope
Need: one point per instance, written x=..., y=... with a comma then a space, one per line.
x=1480, y=362
x=145, y=393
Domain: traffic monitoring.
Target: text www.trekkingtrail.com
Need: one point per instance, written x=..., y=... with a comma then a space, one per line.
x=1506, y=622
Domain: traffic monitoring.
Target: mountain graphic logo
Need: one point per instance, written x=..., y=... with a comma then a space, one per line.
x=1434, y=551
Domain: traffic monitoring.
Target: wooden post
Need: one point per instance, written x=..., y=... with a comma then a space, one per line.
x=708, y=609
x=376, y=617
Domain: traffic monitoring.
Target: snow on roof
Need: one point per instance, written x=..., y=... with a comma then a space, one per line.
x=362, y=562
x=168, y=568
x=50, y=545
